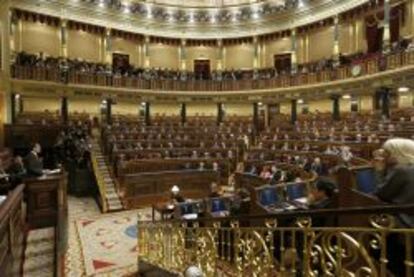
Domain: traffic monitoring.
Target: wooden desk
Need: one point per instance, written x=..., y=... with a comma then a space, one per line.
x=145, y=189
x=47, y=207
x=163, y=208
x=12, y=233
x=46, y=200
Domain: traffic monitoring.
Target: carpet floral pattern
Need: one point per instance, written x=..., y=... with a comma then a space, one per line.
x=102, y=244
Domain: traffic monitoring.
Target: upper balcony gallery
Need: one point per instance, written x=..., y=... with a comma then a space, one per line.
x=373, y=37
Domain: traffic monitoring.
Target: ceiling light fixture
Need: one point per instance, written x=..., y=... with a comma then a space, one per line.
x=403, y=89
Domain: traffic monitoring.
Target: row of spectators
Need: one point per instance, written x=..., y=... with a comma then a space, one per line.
x=126, y=70
x=73, y=146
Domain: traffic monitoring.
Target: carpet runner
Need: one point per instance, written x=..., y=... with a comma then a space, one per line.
x=39, y=259
x=110, y=198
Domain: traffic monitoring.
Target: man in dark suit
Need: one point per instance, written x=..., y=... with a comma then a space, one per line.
x=17, y=171
x=34, y=164
x=321, y=196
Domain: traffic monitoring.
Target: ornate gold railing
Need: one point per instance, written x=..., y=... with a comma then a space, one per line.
x=360, y=68
x=290, y=247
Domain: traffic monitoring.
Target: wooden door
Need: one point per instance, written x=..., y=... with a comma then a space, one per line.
x=120, y=62
x=283, y=62
x=202, y=69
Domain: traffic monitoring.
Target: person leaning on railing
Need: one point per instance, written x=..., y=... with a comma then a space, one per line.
x=395, y=166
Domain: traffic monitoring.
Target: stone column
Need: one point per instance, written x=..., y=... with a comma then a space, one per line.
x=263, y=54
x=266, y=116
x=63, y=38
x=13, y=107
x=64, y=111
x=386, y=40
x=147, y=113
x=182, y=55
x=293, y=49
x=20, y=105
x=146, y=52
x=385, y=102
x=255, y=117
x=220, y=55
x=220, y=113
x=294, y=111
x=411, y=16
x=256, y=53
x=183, y=113
x=335, y=52
x=108, y=111
x=13, y=31
x=108, y=46
x=336, y=112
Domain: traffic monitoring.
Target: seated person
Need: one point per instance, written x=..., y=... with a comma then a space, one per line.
x=395, y=166
x=33, y=162
x=214, y=190
x=321, y=196
x=17, y=170
x=176, y=197
x=266, y=173
x=241, y=203
x=4, y=179
x=346, y=154
x=317, y=166
x=253, y=170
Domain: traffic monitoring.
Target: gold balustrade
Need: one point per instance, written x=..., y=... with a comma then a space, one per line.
x=299, y=249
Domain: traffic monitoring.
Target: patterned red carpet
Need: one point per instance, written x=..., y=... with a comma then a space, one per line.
x=101, y=244
x=109, y=242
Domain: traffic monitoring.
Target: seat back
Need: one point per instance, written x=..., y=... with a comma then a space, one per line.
x=366, y=181
x=295, y=191
x=186, y=208
x=268, y=196
x=218, y=205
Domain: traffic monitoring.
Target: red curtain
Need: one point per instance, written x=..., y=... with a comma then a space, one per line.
x=373, y=34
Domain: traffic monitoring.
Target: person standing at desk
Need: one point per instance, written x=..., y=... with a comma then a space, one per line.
x=34, y=164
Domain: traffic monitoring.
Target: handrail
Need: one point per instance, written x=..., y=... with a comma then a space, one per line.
x=100, y=182
x=273, y=249
x=357, y=69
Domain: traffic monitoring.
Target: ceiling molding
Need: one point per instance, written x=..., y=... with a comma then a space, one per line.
x=90, y=13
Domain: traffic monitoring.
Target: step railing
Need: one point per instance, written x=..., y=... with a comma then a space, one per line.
x=99, y=181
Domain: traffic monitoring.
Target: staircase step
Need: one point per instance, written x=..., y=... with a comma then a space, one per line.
x=41, y=234
x=39, y=248
x=112, y=197
x=39, y=265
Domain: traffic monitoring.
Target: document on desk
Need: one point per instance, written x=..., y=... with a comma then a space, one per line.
x=302, y=200
x=53, y=171
x=3, y=198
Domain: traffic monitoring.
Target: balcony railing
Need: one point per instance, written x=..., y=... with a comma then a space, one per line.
x=356, y=69
x=285, y=244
